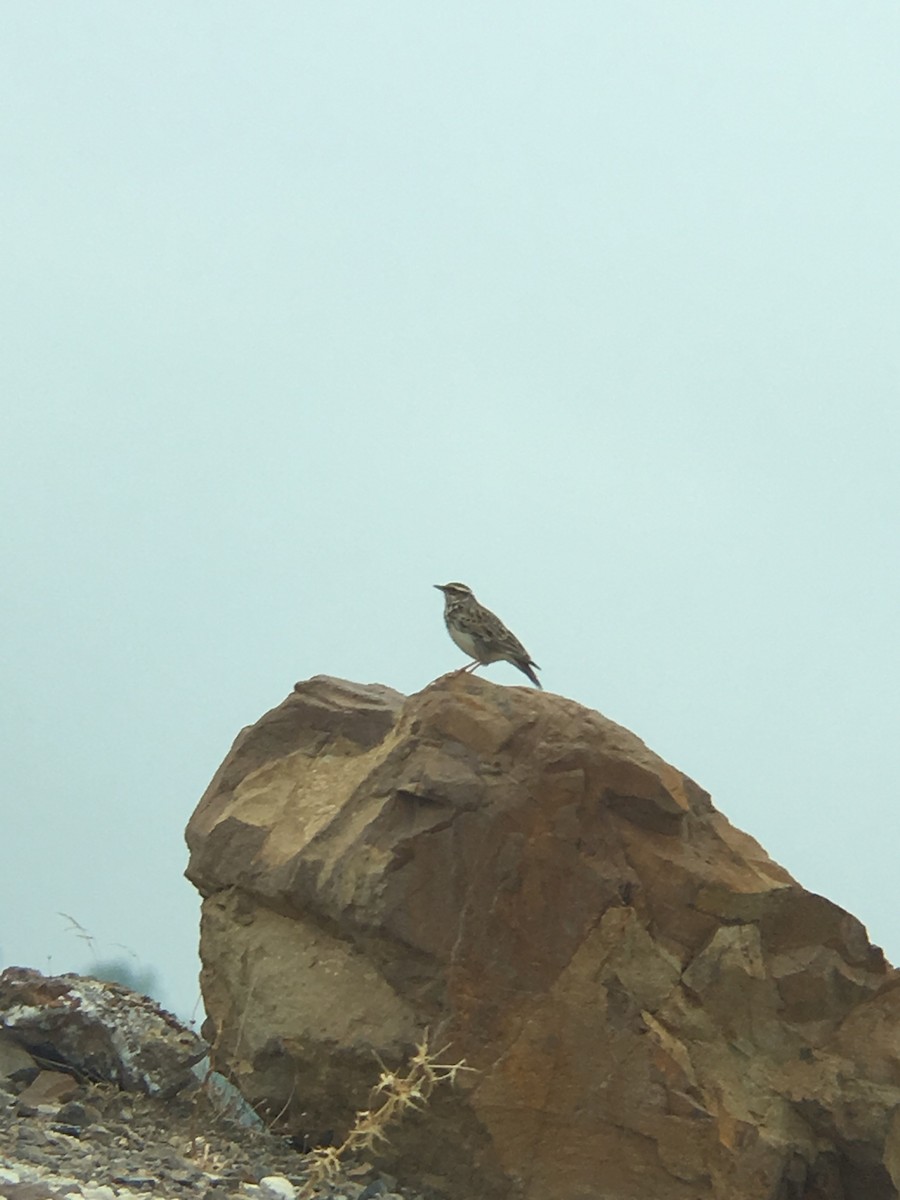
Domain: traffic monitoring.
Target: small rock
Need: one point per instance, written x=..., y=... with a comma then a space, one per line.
x=15, y=1061
x=74, y=1113
x=74, y=1131
x=101, y=1192
x=376, y=1188
x=30, y=1191
x=99, y=1133
x=135, y=1180
x=50, y=1087
x=65, y=1141
x=8, y=1175
x=276, y=1187
x=29, y=1136
x=66, y=1185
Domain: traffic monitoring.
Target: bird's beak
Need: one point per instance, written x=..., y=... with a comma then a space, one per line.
x=439, y=586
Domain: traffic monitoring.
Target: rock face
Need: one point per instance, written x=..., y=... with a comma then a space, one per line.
x=654, y=1007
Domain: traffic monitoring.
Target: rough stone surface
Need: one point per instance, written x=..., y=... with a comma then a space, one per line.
x=102, y=1030
x=653, y=1006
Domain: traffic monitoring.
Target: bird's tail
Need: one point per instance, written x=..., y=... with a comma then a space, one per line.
x=525, y=667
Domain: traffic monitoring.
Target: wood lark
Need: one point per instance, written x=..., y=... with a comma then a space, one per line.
x=480, y=634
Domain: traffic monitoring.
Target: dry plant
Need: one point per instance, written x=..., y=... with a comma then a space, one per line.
x=393, y=1096
x=80, y=932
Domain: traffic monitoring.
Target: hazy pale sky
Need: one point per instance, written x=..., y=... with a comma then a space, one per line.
x=307, y=307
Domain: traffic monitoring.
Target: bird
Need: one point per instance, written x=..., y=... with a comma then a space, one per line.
x=480, y=634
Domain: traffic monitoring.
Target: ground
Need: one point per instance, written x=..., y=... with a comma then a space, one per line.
x=105, y=1144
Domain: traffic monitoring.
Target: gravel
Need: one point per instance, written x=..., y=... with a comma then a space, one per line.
x=105, y=1144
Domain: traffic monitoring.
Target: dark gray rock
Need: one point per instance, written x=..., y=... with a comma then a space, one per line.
x=103, y=1030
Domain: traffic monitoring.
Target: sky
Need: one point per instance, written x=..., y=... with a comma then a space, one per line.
x=309, y=306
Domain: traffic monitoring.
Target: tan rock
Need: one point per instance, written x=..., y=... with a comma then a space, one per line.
x=15, y=1061
x=654, y=1007
x=49, y=1087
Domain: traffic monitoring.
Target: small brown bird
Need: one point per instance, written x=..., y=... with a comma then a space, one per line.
x=480, y=634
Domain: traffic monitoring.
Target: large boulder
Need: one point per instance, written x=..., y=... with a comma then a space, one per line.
x=653, y=1007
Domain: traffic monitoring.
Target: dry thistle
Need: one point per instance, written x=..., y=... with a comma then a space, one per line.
x=397, y=1092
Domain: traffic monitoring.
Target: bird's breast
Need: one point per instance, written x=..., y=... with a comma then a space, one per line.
x=463, y=639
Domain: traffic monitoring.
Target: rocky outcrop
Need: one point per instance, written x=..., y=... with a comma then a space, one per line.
x=654, y=1008
x=100, y=1030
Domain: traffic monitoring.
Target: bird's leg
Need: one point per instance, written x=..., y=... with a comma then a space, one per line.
x=466, y=667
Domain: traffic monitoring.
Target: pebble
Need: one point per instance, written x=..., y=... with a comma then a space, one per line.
x=31, y=1136
x=276, y=1187
x=99, y=1133
x=73, y=1113
x=377, y=1187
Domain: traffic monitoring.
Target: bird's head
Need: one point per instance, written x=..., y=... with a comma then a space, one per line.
x=454, y=591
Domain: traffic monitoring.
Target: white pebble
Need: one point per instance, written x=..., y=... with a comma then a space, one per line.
x=276, y=1187
x=97, y=1192
x=8, y=1175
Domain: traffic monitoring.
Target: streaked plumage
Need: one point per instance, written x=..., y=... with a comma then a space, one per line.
x=481, y=634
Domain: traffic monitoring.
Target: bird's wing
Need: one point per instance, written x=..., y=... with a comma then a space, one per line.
x=499, y=634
